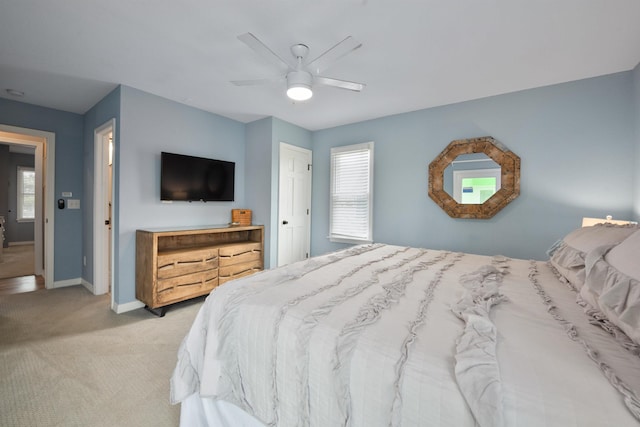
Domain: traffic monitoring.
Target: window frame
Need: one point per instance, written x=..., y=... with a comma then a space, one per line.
x=340, y=237
x=20, y=194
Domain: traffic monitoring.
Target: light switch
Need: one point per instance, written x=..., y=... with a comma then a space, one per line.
x=73, y=204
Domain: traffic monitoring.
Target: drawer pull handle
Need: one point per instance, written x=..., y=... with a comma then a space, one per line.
x=241, y=272
x=181, y=263
x=250, y=251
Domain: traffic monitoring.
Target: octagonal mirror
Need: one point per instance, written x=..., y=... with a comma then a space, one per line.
x=474, y=178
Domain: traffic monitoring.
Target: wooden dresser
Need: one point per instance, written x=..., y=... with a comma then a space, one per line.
x=174, y=265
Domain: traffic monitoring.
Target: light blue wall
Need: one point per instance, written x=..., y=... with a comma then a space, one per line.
x=149, y=125
x=291, y=134
x=68, y=177
x=259, y=146
x=108, y=108
x=575, y=141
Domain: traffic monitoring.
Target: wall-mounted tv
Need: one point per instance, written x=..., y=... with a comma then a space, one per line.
x=189, y=178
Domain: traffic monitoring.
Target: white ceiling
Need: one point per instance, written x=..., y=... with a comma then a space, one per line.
x=68, y=54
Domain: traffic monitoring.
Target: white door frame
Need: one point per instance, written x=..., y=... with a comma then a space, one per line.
x=45, y=167
x=309, y=153
x=102, y=256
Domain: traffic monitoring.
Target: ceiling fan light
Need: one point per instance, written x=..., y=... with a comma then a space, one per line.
x=299, y=92
x=299, y=85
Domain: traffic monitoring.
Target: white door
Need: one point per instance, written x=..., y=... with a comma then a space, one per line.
x=294, y=207
x=102, y=209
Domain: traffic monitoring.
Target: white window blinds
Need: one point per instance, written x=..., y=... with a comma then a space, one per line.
x=26, y=194
x=351, y=193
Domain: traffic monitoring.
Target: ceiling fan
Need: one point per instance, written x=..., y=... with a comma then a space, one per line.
x=300, y=74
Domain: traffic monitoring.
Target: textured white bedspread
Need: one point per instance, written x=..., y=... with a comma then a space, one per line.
x=367, y=337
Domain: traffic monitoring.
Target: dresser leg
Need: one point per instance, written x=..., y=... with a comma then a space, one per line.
x=160, y=312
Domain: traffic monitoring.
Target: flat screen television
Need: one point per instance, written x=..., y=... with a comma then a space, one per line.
x=189, y=178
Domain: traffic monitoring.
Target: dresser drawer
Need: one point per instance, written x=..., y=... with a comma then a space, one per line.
x=240, y=253
x=186, y=286
x=175, y=265
x=181, y=262
x=235, y=271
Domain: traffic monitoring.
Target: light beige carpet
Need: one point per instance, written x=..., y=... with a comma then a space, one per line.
x=17, y=261
x=66, y=359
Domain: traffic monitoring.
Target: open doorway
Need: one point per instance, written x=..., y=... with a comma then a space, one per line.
x=33, y=208
x=104, y=143
x=17, y=210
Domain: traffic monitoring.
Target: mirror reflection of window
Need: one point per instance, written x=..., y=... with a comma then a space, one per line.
x=475, y=191
x=474, y=187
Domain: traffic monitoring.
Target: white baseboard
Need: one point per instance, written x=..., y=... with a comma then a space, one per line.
x=68, y=282
x=118, y=308
x=129, y=306
x=20, y=243
x=87, y=285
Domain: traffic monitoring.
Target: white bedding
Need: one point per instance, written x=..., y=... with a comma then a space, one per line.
x=367, y=337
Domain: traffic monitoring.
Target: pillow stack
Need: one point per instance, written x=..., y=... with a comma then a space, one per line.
x=603, y=263
x=569, y=256
x=612, y=284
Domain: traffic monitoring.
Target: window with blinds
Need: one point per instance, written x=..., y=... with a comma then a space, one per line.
x=351, y=194
x=26, y=196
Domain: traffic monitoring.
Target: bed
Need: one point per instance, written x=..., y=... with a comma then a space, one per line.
x=385, y=335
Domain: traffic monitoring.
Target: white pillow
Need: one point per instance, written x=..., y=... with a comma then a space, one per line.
x=568, y=256
x=625, y=257
x=612, y=284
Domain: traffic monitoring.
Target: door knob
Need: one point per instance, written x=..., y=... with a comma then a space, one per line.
x=285, y=222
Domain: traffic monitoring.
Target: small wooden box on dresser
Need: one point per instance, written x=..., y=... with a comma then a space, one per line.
x=174, y=265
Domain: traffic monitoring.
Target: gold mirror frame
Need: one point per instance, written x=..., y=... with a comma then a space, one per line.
x=510, y=177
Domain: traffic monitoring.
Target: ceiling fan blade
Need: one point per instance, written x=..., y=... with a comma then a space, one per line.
x=256, y=81
x=342, y=84
x=333, y=54
x=263, y=50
